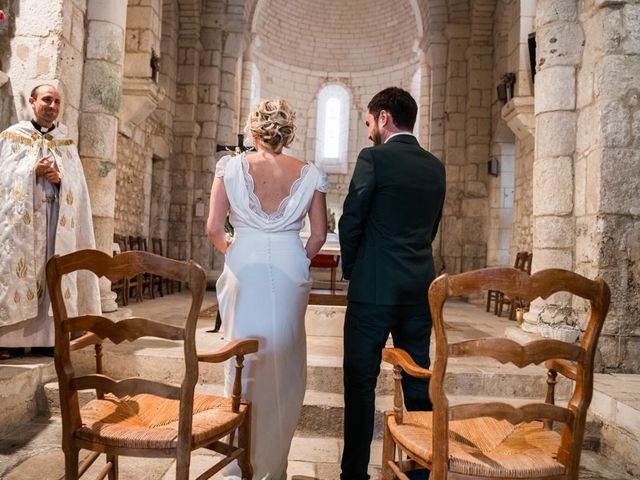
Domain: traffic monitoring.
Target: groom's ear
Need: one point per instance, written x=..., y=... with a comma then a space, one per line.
x=383, y=118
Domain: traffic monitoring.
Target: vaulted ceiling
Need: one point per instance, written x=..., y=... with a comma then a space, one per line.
x=338, y=35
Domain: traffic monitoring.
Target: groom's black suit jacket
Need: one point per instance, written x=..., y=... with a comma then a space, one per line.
x=390, y=217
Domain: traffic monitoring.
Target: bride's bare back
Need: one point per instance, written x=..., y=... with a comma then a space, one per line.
x=273, y=176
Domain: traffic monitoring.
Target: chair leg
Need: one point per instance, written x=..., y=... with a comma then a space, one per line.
x=182, y=467
x=151, y=277
x=71, y=466
x=512, y=309
x=113, y=473
x=333, y=280
x=244, y=441
x=388, y=450
x=139, y=288
x=499, y=305
x=125, y=292
x=489, y=294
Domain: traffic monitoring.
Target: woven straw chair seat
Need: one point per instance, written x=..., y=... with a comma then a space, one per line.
x=148, y=421
x=485, y=446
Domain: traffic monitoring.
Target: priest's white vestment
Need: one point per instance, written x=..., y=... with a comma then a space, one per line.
x=38, y=219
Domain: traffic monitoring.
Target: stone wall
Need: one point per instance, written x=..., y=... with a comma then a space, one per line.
x=522, y=225
x=501, y=201
x=221, y=122
x=8, y=114
x=162, y=119
x=42, y=46
x=133, y=183
x=512, y=135
x=136, y=129
x=455, y=157
x=606, y=166
x=186, y=131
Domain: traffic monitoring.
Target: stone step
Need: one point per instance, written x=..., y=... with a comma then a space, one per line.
x=324, y=320
x=162, y=360
x=616, y=408
x=21, y=394
x=464, y=320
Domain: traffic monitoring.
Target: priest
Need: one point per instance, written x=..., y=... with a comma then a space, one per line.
x=44, y=209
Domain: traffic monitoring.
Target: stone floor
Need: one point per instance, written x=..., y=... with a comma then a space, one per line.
x=33, y=453
x=31, y=449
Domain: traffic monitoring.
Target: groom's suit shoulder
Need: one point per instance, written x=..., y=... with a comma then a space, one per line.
x=404, y=146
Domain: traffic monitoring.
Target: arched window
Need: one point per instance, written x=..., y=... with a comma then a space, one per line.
x=332, y=132
x=416, y=90
x=254, y=94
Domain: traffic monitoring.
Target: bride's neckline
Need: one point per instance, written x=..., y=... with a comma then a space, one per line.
x=254, y=202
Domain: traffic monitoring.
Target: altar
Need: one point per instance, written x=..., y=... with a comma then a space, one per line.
x=327, y=258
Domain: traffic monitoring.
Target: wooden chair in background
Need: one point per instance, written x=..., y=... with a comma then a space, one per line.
x=158, y=249
x=136, y=282
x=493, y=296
x=148, y=281
x=121, y=287
x=136, y=416
x=498, y=299
x=492, y=439
x=157, y=281
x=327, y=261
x=523, y=262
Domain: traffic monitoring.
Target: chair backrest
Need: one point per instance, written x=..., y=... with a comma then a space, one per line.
x=156, y=246
x=523, y=261
x=134, y=243
x=142, y=242
x=99, y=328
x=515, y=282
x=122, y=242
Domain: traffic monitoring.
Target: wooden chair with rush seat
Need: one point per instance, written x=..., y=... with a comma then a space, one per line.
x=136, y=283
x=158, y=249
x=482, y=440
x=142, y=417
x=121, y=287
x=523, y=262
x=498, y=298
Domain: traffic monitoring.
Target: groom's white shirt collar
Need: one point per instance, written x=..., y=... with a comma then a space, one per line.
x=398, y=133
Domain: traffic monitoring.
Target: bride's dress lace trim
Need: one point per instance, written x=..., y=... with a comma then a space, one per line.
x=323, y=184
x=254, y=201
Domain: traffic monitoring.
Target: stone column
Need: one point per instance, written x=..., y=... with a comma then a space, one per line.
x=477, y=130
x=607, y=204
x=186, y=131
x=559, y=46
x=101, y=99
x=229, y=124
x=458, y=207
x=436, y=62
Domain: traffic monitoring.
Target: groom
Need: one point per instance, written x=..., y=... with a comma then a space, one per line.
x=390, y=217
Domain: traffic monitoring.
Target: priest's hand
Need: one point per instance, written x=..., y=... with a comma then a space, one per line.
x=43, y=165
x=47, y=168
x=53, y=174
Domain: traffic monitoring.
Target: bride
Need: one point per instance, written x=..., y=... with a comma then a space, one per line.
x=264, y=288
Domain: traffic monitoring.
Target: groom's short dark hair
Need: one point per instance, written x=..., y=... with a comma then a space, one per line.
x=399, y=103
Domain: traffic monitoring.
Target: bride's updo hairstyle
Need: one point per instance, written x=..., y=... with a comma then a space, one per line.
x=271, y=121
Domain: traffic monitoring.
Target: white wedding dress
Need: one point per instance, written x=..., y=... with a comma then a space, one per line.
x=263, y=293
